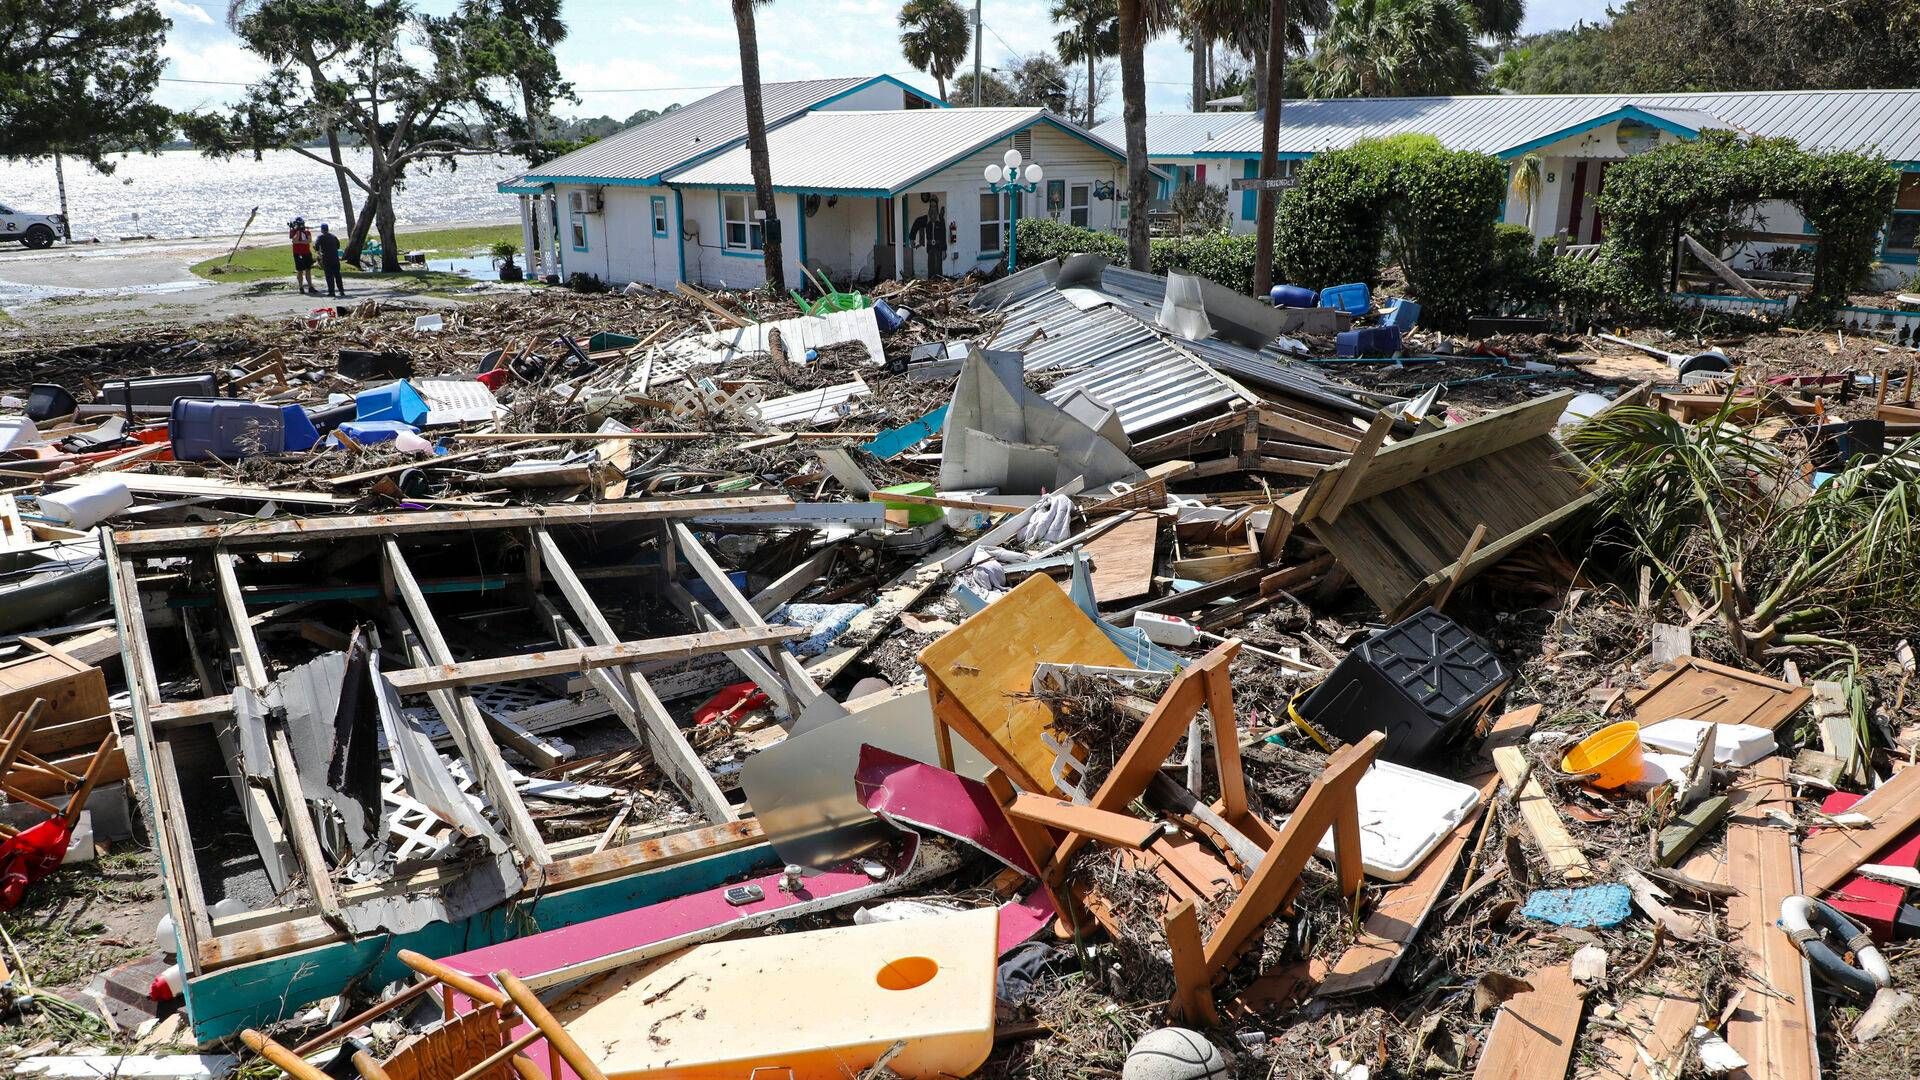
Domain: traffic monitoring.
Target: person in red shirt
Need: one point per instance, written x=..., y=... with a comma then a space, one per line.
x=302, y=254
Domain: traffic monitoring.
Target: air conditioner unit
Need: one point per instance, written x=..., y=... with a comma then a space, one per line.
x=584, y=201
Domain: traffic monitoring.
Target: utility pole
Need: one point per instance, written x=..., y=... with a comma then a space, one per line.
x=976, y=53
x=1269, y=149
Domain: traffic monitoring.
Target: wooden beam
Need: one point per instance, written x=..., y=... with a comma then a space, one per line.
x=286, y=775
x=1536, y=809
x=1348, y=480
x=297, y=532
x=465, y=722
x=640, y=708
x=801, y=689
x=1108, y=827
x=1459, y=568
x=498, y=669
x=1773, y=1028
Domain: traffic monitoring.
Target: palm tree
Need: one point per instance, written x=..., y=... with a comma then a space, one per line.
x=1140, y=20
x=1241, y=25
x=935, y=37
x=1528, y=183
x=757, y=141
x=1092, y=34
x=1399, y=48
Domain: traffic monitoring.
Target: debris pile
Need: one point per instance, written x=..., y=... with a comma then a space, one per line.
x=1083, y=673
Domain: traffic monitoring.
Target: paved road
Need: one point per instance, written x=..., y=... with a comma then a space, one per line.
x=146, y=281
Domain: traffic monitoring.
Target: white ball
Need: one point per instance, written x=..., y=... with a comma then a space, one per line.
x=1175, y=1054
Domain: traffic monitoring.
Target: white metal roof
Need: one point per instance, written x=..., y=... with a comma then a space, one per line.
x=872, y=153
x=1175, y=134
x=1882, y=121
x=645, y=151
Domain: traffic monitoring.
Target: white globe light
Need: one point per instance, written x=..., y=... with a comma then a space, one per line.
x=1034, y=173
x=993, y=174
x=1012, y=158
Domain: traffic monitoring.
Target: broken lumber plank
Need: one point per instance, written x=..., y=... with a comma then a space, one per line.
x=1720, y=269
x=1348, y=480
x=565, y=661
x=1829, y=856
x=296, y=532
x=1774, y=1027
x=1536, y=809
x=1532, y=1038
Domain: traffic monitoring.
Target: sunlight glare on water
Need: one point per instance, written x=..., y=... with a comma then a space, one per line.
x=183, y=193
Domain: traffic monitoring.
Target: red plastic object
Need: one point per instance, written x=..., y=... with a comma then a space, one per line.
x=29, y=856
x=495, y=379
x=741, y=697
x=1874, y=903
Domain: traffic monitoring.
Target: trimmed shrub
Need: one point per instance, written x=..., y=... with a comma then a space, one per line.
x=1709, y=187
x=1041, y=239
x=1520, y=277
x=1431, y=209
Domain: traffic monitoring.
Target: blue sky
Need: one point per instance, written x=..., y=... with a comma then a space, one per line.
x=623, y=55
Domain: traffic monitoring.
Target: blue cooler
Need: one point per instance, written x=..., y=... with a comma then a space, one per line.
x=1292, y=296
x=203, y=428
x=372, y=432
x=300, y=432
x=394, y=401
x=1402, y=314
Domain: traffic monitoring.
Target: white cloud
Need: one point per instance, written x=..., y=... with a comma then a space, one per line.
x=181, y=9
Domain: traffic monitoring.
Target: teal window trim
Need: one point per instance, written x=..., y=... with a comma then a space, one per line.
x=726, y=249
x=1899, y=256
x=658, y=204
x=680, y=246
x=1248, y=198
x=577, y=223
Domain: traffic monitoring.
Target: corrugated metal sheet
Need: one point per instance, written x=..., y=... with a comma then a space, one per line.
x=665, y=142
x=867, y=151
x=1175, y=134
x=1886, y=121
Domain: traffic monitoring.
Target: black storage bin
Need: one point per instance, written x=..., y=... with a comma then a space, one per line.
x=158, y=390
x=1423, y=681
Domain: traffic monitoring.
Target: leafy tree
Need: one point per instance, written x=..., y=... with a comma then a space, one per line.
x=408, y=86
x=1037, y=79
x=935, y=36
x=995, y=90
x=757, y=141
x=78, y=79
x=1571, y=61
x=1397, y=48
x=1092, y=34
x=1674, y=45
x=514, y=40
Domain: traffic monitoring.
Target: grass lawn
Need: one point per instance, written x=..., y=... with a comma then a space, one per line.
x=272, y=259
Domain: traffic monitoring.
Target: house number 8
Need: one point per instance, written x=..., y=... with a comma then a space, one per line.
x=1549, y=178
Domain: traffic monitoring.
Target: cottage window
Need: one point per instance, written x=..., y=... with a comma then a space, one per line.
x=1903, y=234
x=742, y=232
x=993, y=221
x=1079, y=200
x=579, y=227
x=659, y=215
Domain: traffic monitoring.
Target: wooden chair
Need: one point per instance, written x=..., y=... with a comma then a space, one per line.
x=15, y=757
x=478, y=1044
x=1218, y=845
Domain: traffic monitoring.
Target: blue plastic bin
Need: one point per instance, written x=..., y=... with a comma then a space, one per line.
x=889, y=319
x=1292, y=296
x=1402, y=314
x=224, y=428
x=394, y=401
x=372, y=432
x=1367, y=341
x=300, y=432
x=1355, y=298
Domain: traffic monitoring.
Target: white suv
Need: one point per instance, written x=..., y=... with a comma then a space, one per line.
x=32, y=230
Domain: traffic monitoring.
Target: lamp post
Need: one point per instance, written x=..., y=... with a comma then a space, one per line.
x=1007, y=177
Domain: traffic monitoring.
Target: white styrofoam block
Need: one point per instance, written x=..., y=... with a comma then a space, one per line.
x=1404, y=815
x=1733, y=744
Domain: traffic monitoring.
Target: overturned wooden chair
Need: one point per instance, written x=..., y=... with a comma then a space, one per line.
x=477, y=1044
x=17, y=763
x=1216, y=846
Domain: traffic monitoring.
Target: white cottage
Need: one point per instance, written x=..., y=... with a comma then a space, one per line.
x=872, y=179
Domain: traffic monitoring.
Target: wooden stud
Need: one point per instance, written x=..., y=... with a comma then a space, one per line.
x=1193, y=981
x=498, y=669
x=1350, y=473
x=465, y=722
x=801, y=691
x=1459, y=570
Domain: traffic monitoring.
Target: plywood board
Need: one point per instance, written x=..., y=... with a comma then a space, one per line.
x=1536, y=806
x=1703, y=690
x=1773, y=1028
x=1437, y=451
x=1123, y=560
x=984, y=669
x=74, y=692
x=1532, y=1038
x=1830, y=855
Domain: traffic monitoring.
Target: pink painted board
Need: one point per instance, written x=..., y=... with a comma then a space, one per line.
x=1875, y=903
x=909, y=794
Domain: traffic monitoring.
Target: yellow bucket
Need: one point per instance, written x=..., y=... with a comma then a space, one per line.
x=1611, y=754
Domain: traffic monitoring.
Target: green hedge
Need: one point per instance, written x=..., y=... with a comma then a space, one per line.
x=1220, y=256
x=1708, y=187
x=1430, y=209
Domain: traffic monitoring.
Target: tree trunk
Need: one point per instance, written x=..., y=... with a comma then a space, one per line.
x=534, y=156
x=757, y=143
x=357, y=240
x=1091, y=96
x=1269, y=148
x=316, y=78
x=1199, y=45
x=1259, y=82
x=389, y=240
x=940, y=84
x=1133, y=96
